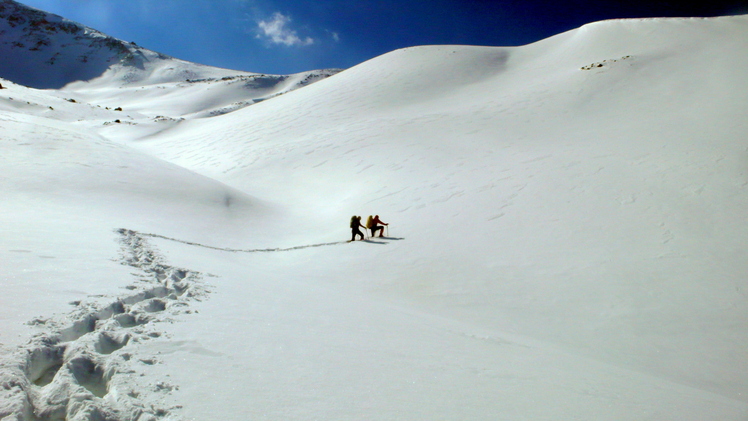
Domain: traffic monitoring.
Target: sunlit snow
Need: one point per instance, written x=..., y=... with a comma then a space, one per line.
x=567, y=235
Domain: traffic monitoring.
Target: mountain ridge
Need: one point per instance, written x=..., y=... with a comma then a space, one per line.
x=34, y=39
x=47, y=51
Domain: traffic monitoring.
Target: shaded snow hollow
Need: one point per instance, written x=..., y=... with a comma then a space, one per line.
x=566, y=238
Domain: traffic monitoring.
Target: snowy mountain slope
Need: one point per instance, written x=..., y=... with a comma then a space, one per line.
x=587, y=189
x=49, y=51
x=567, y=227
x=191, y=97
x=55, y=172
x=65, y=193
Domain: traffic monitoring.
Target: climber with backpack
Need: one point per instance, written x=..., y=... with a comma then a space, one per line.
x=355, y=224
x=375, y=224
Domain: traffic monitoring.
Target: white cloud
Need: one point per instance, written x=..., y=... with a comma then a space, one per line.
x=277, y=31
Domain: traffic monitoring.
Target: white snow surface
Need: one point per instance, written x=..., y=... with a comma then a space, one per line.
x=567, y=237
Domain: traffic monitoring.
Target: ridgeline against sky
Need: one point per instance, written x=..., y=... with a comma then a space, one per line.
x=284, y=37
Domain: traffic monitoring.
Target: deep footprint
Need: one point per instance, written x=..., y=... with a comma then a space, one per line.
x=43, y=364
x=109, y=342
x=79, y=328
x=131, y=320
x=89, y=375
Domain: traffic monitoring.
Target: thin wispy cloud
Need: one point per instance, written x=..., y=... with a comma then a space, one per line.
x=278, y=31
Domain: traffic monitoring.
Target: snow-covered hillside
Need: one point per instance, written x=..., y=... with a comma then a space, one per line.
x=566, y=240
x=46, y=51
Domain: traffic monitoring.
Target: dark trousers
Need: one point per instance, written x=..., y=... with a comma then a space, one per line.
x=355, y=232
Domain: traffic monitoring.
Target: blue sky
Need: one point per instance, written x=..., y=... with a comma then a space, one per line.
x=285, y=36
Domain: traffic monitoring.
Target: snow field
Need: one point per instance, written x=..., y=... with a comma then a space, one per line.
x=533, y=195
x=566, y=238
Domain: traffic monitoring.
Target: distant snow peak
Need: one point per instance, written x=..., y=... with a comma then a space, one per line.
x=49, y=51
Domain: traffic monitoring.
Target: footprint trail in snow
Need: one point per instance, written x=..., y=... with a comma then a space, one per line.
x=238, y=250
x=84, y=365
x=81, y=366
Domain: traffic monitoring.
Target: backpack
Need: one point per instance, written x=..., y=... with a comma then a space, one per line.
x=354, y=221
x=369, y=222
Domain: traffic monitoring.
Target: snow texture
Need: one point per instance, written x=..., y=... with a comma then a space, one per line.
x=71, y=370
x=567, y=230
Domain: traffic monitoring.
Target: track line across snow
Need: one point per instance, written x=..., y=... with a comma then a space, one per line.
x=265, y=250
